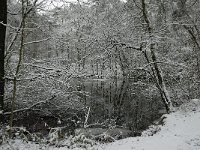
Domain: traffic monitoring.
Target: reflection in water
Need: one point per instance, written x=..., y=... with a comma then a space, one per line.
x=120, y=103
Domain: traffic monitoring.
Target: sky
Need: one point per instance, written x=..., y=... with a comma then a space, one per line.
x=50, y=4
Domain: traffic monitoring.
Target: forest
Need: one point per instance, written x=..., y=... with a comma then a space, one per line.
x=78, y=68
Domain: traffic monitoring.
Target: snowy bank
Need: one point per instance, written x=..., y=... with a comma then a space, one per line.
x=181, y=131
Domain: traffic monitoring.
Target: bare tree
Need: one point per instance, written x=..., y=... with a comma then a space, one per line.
x=156, y=70
x=3, y=20
x=24, y=13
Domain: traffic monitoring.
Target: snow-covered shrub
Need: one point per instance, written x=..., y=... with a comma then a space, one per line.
x=80, y=141
x=21, y=133
x=153, y=129
x=55, y=135
x=109, y=123
x=3, y=135
x=104, y=138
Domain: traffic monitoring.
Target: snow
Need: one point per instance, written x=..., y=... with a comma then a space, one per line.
x=181, y=131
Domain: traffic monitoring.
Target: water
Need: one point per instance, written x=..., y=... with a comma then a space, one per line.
x=123, y=104
x=120, y=103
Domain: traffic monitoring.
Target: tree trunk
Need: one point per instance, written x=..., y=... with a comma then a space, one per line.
x=155, y=68
x=3, y=19
x=197, y=51
x=21, y=50
x=123, y=62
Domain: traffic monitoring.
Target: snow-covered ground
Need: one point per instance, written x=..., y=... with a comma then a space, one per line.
x=181, y=131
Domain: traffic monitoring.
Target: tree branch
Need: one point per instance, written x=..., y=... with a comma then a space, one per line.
x=29, y=108
x=38, y=41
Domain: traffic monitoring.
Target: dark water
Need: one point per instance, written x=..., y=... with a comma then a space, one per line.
x=120, y=103
x=111, y=103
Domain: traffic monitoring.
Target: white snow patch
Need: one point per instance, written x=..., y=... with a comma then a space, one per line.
x=195, y=100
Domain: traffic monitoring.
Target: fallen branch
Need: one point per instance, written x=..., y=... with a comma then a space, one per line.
x=86, y=118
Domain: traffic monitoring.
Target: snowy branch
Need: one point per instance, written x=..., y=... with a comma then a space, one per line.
x=16, y=28
x=42, y=67
x=38, y=41
x=33, y=78
x=29, y=108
